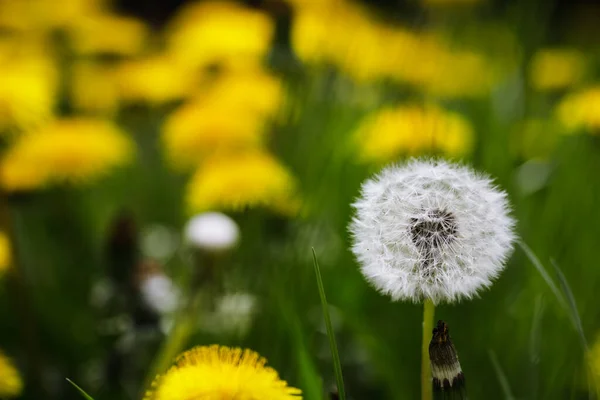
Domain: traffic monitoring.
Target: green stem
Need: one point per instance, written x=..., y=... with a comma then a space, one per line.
x=426, y=386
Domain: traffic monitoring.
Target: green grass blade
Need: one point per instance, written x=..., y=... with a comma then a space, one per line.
x=574, y=314
x=538, y=265
x=501, y=376
x=80, y=390
x=337, y=366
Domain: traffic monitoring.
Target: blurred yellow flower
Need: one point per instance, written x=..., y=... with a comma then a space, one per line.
x=347, y=36
x=28, y=84
x=219, y=372
x=5, y=255
x=73, y=150
x=229, y=115
x=553, y=69
x=439, y=70
x=343, y=34
x=28, y=15
x=94, y=87
x=412, y=130
x=11, y=384
x=155, y=80
x=109, y=34
x=238, y=181
x=581, y=110
x=220, y=32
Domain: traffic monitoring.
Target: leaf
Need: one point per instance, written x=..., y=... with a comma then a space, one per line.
x=80, y=390
x=337, y=366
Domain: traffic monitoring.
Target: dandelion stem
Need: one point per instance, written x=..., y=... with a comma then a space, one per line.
x=428, y=314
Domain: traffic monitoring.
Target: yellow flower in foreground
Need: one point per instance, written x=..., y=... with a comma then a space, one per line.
x=73, y=150
x=581, y=110
x=236, y=182
x=109, y=34
x=156, y=80
x=220, y=32
x=552, y=69
x=5, y=255
x=221, y=373
x=229, y=116
x=412, y=130
x=27, y=90
x=11, y=384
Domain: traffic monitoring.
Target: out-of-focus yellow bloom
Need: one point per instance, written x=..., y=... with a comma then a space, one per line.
x=72, y=150
x=592, y=359
x=553, y=69
x=229, y=116
x=5, y=256
x=28, y=85
x=109, y=34
x=155, y=80
x=11, y=384
x=581, y=110
x=220, y=32
x=343, y=34
x=94, y=87
x=451, y=74
x=412, y=130
x=219, y=372
x=40, y=15
x=237, y=181
x=347, y=36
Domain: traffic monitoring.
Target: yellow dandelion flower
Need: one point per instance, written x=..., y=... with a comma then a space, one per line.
x=94, y=87
x=198, y=129
x=219, y=372
x=5, y=254
x=11, y=384
x=441, y=71
x=581, y=110
x=235, y=182
x=345, y=35
x=553, y=69
x=28, y=85
x=206, y=125
x=220, y=32
x=412, y=130
x=109, y=34
x=73, y=150
x=45, y=14
x=156, y=80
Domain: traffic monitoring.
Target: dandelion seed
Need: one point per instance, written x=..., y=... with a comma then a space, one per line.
x=431, y=230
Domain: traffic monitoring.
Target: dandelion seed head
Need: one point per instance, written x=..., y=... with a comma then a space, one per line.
x=212, y=231
x=431, y=229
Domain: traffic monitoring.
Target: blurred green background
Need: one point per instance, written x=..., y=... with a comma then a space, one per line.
x=117, y=128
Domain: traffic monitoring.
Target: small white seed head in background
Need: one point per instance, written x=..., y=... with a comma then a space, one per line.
x=212, y=232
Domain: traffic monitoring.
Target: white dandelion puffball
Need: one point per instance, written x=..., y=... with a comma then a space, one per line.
x=212, y=231
x=160, y=293
x=431, y=229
